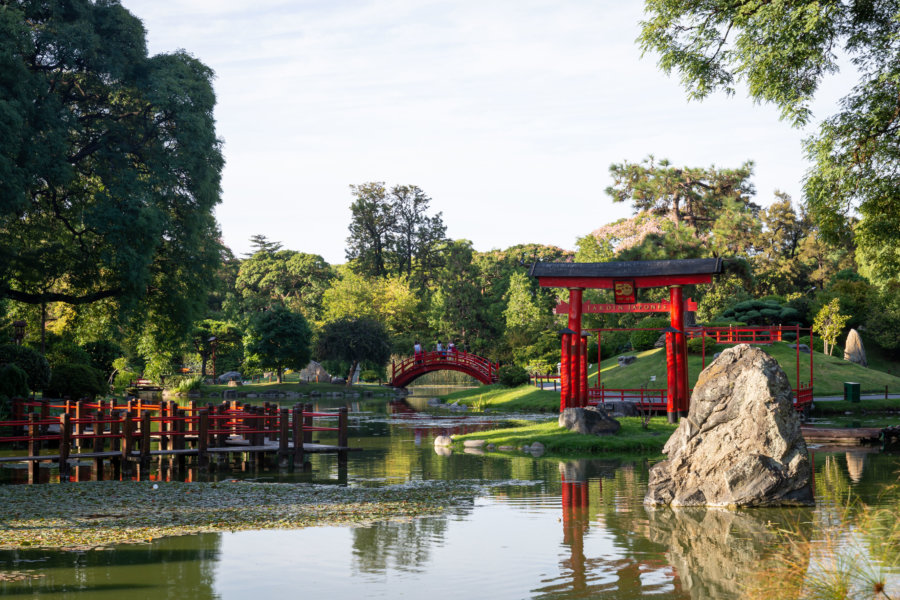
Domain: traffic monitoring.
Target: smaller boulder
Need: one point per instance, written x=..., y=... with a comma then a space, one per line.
x=660, y=342
x=473, y=443
x=624, y=361
x=588, y=421
x=803, y=347
x=853, y=349
x=443, y=440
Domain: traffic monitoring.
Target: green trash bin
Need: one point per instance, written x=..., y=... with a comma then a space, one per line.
x=851, y=391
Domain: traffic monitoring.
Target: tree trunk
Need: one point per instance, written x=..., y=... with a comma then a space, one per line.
x=203, y=365
x=352, y=372
x=278, y=373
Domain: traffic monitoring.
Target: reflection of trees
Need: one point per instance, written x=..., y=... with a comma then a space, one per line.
x=396, y=545
x=185, y=564
x=716, y=551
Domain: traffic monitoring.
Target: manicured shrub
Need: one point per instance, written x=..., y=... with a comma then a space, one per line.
x=369, y=376
x=695, y=346
x=75, y=381
x=35, y=366
x=644, y=340
x=13, y=381
x=512, y=375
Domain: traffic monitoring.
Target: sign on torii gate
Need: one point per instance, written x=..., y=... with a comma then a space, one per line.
x=625, y=278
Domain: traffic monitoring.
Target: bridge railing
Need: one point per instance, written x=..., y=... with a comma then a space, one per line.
x=433, y=358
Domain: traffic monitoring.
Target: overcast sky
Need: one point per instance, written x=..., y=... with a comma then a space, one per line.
x=506, y=113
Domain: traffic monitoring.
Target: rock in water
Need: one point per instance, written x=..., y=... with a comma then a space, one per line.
x=588, y=421
x=853, y=349
x=740, y=444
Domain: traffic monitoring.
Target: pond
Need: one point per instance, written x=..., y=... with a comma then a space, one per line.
x=544, y=529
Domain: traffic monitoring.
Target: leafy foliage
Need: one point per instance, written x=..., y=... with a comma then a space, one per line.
x=783, y=51
x=110, y=167
x=512, y=375
x=354, y=340
x=35, y=366
x=279, y=339
x=76, y=382
x=644, y=340
x=830, y=323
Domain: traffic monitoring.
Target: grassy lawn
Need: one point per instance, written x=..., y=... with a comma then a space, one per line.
x=830, y=372
x=863, y=406
x=525, y=398
x=632, y=438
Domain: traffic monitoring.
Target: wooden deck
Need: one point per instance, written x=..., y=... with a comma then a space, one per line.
x=855, y=436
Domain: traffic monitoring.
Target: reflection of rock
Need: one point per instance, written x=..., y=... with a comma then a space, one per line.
x=856, y=462
x=475, y=451
x=588, y=421
x=740, y=444
x=714, y=551
x=853, y=349
x=443, y=451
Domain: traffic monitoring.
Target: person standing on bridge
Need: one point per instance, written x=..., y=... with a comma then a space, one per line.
x=451, y=347
x=440, y=348
x=417, y=352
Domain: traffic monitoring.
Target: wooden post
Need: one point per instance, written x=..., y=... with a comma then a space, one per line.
x=127, y=442
x=298, y=435
x=45, y=414
x=97, y=472
x=178, y=439
x=342, y=434
x=202, y=440
x=145, y=443
x=307, y=423
x=283, y=436
x=65, y=446
x=164, y=424
x=34, y=448
x=115, y=443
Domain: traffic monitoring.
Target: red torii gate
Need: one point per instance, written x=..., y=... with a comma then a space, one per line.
x=625, y=278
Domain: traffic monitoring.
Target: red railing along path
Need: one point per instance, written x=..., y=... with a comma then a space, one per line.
x=413, y=367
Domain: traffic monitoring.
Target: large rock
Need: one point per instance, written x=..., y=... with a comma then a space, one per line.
x=740, y=444
x=588, y=421
x=853, y=349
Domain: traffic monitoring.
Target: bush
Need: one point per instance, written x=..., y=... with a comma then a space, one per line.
x=724, y=324
x=184, y=385
x=763, y=312
x=13, y=382
x=512, y=375
x=75, y=381
x=820, y=347
x=35, y=366
x=65, y=352
x=369, y=376
x=644, y=340
x=102, y=354
x=613, y=343
x=123, y=379
x=695, y=346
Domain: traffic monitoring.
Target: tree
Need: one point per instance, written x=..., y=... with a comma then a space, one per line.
x=279, y=339
x=354, y=340
x=371, y=225
x=293, y=279
x=782, y=51
x=109, y=166
x=829, y=324
x=695, y=196
x=228, y=343
x=391, y=232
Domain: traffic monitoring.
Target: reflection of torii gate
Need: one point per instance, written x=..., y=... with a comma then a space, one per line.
x=413, y=367
x=625, y=278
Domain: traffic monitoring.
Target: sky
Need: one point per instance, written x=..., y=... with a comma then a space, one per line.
x=507, y=114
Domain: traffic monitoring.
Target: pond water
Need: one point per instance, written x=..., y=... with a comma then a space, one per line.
x=547, y=529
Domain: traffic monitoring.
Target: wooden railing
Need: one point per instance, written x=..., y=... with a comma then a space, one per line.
x=125, y=435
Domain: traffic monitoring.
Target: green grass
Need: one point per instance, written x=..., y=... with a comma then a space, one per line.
x=841, y=407
x=830, y=372
x=632, y=438
x=498, y=398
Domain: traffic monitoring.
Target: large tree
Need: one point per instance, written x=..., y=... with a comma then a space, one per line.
x=354, y=340
x=293, y=279
x=279, y=339
x=692, y=195
x=392, y=232
x=782, y=51
x=109, y=163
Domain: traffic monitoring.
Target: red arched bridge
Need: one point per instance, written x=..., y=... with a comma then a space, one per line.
x=410, y=369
